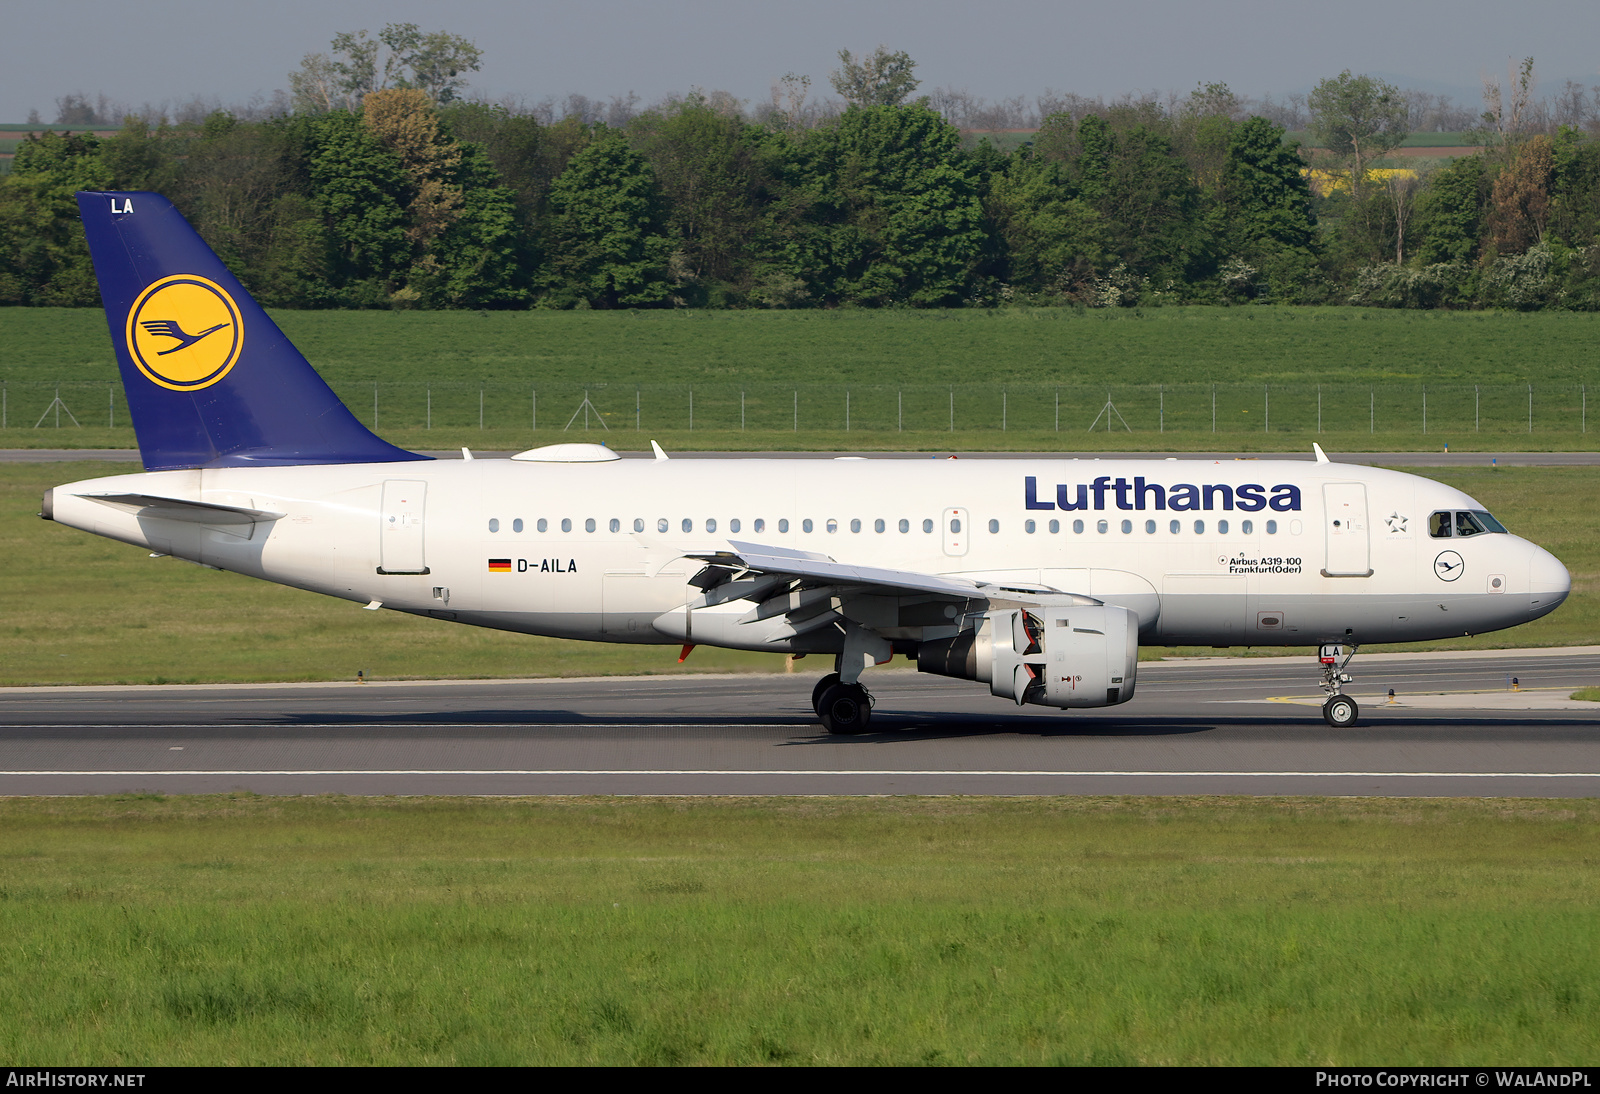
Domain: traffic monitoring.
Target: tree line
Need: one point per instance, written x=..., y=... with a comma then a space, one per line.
x=383, y=188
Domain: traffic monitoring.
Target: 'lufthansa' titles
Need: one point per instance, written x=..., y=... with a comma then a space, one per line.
x=1138, y=495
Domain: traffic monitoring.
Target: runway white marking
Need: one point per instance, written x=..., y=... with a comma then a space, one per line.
x=863, y=771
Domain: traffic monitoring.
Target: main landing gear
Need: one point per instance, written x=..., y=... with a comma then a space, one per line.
x=1339, y=710
x=843, y=708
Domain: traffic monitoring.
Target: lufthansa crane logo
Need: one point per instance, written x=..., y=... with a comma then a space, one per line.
x=185, y=332
x=1448, y=566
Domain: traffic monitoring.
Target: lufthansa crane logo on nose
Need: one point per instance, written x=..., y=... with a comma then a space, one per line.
x=185, y=332
x=1448, y=566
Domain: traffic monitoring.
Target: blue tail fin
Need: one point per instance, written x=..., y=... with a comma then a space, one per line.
x=211, y=381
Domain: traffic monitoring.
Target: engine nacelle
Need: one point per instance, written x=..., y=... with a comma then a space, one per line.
x=1069, y=655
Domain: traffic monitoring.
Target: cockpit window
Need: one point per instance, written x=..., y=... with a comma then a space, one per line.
x=1462, y=523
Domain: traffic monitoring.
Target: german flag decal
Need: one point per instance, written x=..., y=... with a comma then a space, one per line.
x=499, y=565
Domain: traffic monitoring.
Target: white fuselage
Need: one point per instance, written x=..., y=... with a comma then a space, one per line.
x=1205, y=552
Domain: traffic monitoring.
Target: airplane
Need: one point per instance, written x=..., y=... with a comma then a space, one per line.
x=1038, y=577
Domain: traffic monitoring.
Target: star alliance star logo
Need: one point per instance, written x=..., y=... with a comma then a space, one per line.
x=1396, y=523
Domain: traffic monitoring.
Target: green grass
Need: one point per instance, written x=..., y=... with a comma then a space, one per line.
x=78, y=609
x=1352, y=378
x=242, y=930
x=1590, y=694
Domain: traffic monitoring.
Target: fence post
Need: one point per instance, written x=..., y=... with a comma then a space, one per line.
x=741, y=410
x=1530, y=408
x=797, y=410
x=1319, y=408
x=111, y=406
x=430, y=406
x=1583, y=412
x=1372, y=410
x=952, y=408
x=1058, y=410
x=5, y=403
x=637, y=409
x=374, y=406
x=900, y=410
x=1266, y=412
x=1475, y=417
x=1213, y=408
x=1003, y=408
x=480, y=406
x=1424, y=410
x=1161, y=396
x=691, y=410
x=847, y=410
x=535, y=392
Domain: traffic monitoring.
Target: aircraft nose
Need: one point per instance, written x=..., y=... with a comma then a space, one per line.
x=1548, y=582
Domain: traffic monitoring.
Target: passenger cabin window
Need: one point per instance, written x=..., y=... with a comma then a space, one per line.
x=927, y=526
x=855, y=524
x=1102, y=527
x=662, y=525
x=878, y=525
x=783, y=525
x=588, y=525
x=516, y=525
x=994, y=527
x=1055, y=527
x=1077, y=527
x=1272, y=527
x=805, y=525
x=688, y=525
x=1029, y=527
x=494, y=524
x=615, y=525
x=1222, y=527
x=1175, y=527
x=1247, y=526
x=833, y=526
x=711, y=524
x=638, y=524
x=733, y=525
x=760, y=525
x=542, y=525
x=904, y=525
x=566, y=524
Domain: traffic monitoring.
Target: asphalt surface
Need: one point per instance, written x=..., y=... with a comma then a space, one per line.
x=1223, y=726
x=1386, y=459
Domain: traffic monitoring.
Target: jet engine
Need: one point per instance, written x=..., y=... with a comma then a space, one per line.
x=1070, y=655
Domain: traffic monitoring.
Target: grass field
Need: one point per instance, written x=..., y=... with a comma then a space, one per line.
x=925, y=381
x=79, y=609
x=243, y=930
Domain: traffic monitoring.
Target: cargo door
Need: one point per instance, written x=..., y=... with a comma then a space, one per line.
x=1345, y=522
x=401, y=527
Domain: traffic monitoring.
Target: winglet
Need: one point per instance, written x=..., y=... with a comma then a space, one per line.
x=1322, y=457
x=656, y=448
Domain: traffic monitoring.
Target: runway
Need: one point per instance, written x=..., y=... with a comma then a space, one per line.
x=1212, y=726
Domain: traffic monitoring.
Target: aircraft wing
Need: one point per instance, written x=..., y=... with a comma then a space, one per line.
x=810, y=568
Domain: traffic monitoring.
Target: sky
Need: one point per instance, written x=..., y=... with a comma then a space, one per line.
x=156, y=51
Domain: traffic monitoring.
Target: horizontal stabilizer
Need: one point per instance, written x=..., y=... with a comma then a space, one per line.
x=194, y=512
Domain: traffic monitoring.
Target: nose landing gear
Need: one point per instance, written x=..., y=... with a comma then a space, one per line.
x=1339, y=710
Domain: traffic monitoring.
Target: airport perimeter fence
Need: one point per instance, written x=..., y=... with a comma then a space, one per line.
x=1226, y=408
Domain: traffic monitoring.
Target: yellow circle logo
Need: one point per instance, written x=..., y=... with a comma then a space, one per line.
x=185, y=332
